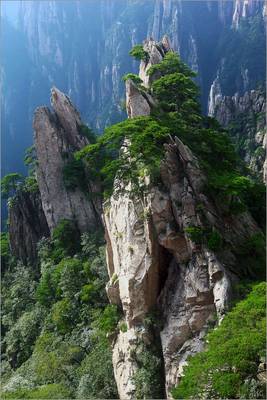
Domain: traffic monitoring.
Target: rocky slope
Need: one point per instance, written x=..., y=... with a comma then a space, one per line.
x=153, y=261
x=47, y=38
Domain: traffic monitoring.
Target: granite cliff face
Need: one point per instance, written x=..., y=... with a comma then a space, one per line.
x=245, y=116
x=27, y=225
x=153, y=262
x=57, y=137
x=35, y=214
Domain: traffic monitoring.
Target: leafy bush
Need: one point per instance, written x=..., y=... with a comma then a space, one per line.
x=139, y=53
x=20, y=339
x=148, y=378
x=66, y=238
x=4, y=251
x=214, y=241
x=10, y=184
x=74, y=175
x=232, y=352
x=195, y=233
x=51, y=391
x=85, y=131
x=96, y=373
x=135, y=78
x=145, y=149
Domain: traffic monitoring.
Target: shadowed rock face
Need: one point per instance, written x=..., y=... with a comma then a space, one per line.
x=249, y=113
x=57, y=137
x=153, y=262
x=27, y=225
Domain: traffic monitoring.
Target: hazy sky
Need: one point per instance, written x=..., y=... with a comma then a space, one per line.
x=9, y=9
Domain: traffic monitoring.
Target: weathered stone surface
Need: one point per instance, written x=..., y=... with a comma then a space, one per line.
x=156, y=51
x=56, y=138
x=158, y=264
x=249, y=112
x=136, y=103
x=27, y=225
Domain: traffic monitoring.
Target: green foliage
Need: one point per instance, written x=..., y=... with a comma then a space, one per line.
x=20, y=338
x=66, y=238
x=214, y=241
x=148, y=378
x=106, y=321
x=252, y=256
x=170, y=64
x=195, y=233
x=232, y=352
x=139, y=53
x=74, y=175
x=30, y=158
x=176, y=92
x=5, y=252
x=85, y=131
x=30, y=184
x=51, y=391
x=96, y=373
x=135, y=78
x=63, y=315
x=123, y=327
x=9, y=184
x=144, y=150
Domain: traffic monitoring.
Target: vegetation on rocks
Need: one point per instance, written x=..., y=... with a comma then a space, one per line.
x=229, y=365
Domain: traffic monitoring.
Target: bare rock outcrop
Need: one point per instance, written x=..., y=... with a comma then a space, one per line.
x=27, y=225
x=57, y=137
x=154, y=261
x=155, y=53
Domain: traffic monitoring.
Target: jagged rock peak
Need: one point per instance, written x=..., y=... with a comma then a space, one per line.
x=139, y=102
x=156, y=52
x=57, y=137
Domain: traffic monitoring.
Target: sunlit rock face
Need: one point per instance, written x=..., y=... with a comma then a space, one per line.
x=154, y=263
x=57, y=137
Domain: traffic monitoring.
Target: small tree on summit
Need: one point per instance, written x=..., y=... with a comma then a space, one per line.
x=10, y=184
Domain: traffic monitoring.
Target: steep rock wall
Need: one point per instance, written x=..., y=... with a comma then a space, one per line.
x=57, y=137
x=154, y=263
x=27, y=225
x=245, y=116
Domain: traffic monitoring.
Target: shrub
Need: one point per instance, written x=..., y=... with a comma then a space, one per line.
x=195, y=233
x=106, y=321
x=19, y=340
x=66, y=238
x=135, y=78
x=139, y=53
x=10, y=184
x=214, y=241
x=96, y=373
x=63, y=315
x=123, y=327
x=85, y=131
x=74, y=175
x=232, y=352
x=50, y=391
x=148, y=378
x=4, y=250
